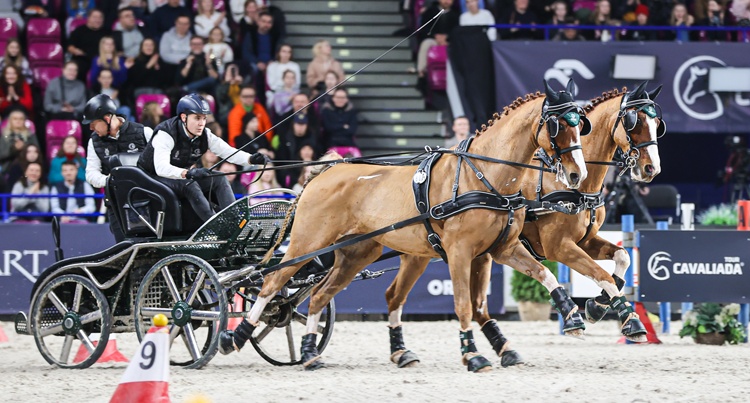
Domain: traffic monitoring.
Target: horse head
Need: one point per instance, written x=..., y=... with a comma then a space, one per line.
x=642, y=125
x=564, y=122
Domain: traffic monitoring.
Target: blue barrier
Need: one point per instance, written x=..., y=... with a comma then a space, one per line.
x=563, y=277
x=665, y=308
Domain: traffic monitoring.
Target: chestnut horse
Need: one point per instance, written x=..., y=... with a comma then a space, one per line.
x=347, y=200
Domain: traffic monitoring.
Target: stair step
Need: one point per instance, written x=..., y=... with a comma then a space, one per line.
x=334, y=17
x=383, y=92
x=344, y=53
x=398, y=117
x=388, y=66
x=348, y=30
x=304, y=6
x=383, y=42
x=399, y=143
x=396, y=130
x=364, y=79
x=414, y=104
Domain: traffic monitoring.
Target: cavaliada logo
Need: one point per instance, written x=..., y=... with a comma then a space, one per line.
x=661, y=266
x=691, y=92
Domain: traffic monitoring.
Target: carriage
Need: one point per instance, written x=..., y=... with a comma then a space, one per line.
x=200, y=275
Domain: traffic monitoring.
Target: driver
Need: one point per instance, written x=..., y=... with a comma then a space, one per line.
x=114, y=135
x=178, y=144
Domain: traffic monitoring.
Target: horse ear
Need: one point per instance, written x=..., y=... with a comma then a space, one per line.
x=655, y=93
x=571, y=87
x=638, y=91
x=551, y=94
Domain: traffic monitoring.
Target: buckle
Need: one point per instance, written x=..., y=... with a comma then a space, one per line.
x=480, y=175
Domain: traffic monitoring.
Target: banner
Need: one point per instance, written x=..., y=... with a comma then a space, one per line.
x=694, y=266
x=26, y=250
x=683, y=69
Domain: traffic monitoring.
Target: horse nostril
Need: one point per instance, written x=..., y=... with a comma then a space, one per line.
x=649, y=169
x=574, y=178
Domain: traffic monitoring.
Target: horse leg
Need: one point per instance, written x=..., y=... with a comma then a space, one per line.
x=601, y=249
x=481, y=271
x=349, y=261
x=575, y=257
x=517, y=257
x=411, y=268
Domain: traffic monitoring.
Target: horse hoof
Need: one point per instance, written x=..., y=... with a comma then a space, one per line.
x=576, y=334
x=574, y=326
x=595, y=311
x=313, y=364
x=510, y=358
x=407, y=359
x=226, y=342
x=640, y=338
x=635, y=331
x=478, y=363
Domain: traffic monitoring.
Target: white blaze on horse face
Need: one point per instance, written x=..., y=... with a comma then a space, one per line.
x=257, y=309
x=312, y=323
x=368, y=177
x=653, y=150
x=394, y=318
x=622, y=262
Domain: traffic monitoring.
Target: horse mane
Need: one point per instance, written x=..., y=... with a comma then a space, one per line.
x=604, y=97
x=319, y=169
x=506, y=110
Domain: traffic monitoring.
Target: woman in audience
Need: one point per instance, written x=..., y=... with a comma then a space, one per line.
x=15, y=92
x=281, y=102
x=104, y=86
x=14, y=138
x=228, y=92
x=248, y=22
x=30, y=184
x=14, y=55
x=602, y=15
x=275, y=70
x=219, y=50
x=67, y=152
x=477, y=16
x=151, y=115
x=320, y=64
x=234, y=179
x=332, y=78
x=146, y=75
x=208, y=18
x=715, y=17
x=339, y=122
x=679, y=18
x=17, y=168
x=108, y=59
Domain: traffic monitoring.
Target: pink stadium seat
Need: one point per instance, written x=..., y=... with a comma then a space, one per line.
x=161, y=99
x=29, y=125
x=437, y=58
x=8, y=29
x=59, y=129
x=46, y=54
x=75, y=23
x=211, y=102
x=43, y=30
x=44, y=74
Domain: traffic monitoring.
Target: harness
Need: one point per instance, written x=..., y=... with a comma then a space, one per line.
x=629, y=119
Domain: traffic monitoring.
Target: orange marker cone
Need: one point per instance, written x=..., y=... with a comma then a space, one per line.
x=3, y=336
x=147, y=377
x=110, y=354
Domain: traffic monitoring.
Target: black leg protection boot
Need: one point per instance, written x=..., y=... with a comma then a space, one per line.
x=501, y=345
x=234, y=340
x=597, y=307
x=632, y=327
x=399, y=354
x=573, y=322
x=471, y=358
x=310, y=356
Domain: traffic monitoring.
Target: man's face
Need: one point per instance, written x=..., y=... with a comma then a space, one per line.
x=340, y=99
x=265, y=24
x=461, y=128
x=195, y=123
x=445, y=4
x=299, y=101
x=70, y=72
x=127, y=19
x=69, y=172
x=196, y=45
x=95, y=20
x=182, y=25
x=300, y=129
x=247, y=97
x=100, y=126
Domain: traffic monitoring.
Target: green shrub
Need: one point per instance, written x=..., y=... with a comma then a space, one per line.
x=525, y=288
x=722, y=214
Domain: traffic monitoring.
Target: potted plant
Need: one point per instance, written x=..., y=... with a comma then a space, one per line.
x=710, y=323
x=532, y=296
x=719, y=215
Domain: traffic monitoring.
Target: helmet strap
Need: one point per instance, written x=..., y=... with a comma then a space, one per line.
x=185, y=125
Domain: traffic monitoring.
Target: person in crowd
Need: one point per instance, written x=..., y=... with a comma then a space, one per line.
x=13, y=55
x=281, y=102
x=559, y=9
x=128, y=35
x=233, y=178
x=32, y=183
x=299, y=101
x=291, y=143
x=187, y=133
x=460, y=128
x=71, y=185
x=218, y=50
x=339, y=122
x=267, y=181
x=249, y=133
x=68, y=152
x=602, y=16
x=679, y=18
x=209, y=18
x=641, y=20
x=175, y=46
x=154, y=5
x=209, y=158
x=14, y=138
x=228, y=91
x=146, y=76
x=741, y=12
x=103, y=85
x=248, y=22
x=569, y=34
x=65, y=96
x=300, y=184
x=332, y=78
x=151, y=115
x=258, y=49
x=83, y=43
x=321, y=63
x=108, y=59
x=519, y=14
x=165, y=17
x=15, y=92
x=277, y=68
x=110, y=135
x=197, y=72
x=247, y=104
x=443, y=25
x=77, y=10
x=476, y=16
x=16, y=169
x=137, y=6
x=716, y=17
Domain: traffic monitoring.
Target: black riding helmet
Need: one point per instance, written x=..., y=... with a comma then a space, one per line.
x=193, y=103
x=97, y=108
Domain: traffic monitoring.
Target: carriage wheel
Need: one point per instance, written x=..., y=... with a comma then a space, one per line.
x=186, y=289
x=278, y=338
x=70, y=322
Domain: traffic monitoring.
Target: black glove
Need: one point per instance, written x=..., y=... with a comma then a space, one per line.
x=197, y=173
x=259, y=159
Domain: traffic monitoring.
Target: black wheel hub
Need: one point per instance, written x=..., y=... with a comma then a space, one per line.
x=181, y=313
x=285, y=315
x=71, y=323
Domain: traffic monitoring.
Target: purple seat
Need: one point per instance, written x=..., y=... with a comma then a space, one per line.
x=44, y=74
x=160, y=99
x=75, y=23
x=59, y=129
x=211, y=102
x=43, y=30
x=8, y=29
x=437, y=58
x=46, y=54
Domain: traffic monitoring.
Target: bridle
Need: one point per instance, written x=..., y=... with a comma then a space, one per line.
x=573, y=115
x=628, y=116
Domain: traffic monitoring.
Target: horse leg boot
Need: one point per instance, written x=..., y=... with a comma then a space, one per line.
x=632, y=327
x=599, y=248
x=501, y=345
x=572, y=320
x=310, y=355
x=471, y=358
x=410, y=269
x=234, y=340
x=597, y=307
x=399, y=354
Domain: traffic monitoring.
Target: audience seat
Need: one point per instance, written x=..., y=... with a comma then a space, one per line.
x=43, y=30
x=73, y=24
x=57, y=130
x=8, y=29
x=161, y=99
x=211, y=102
x=46, y=54
x=437, y=58
x=44, y=74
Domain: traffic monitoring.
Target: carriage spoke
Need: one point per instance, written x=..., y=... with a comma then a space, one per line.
x=197, y=285
x=150, y=312
x=290, y=342
x=57, y=303
x=173, y=332
x=206, y=315
x=65, y=353
x=170, y=283
x=47, y=331
x=90, y=317
x=262, y=335
x=190, y=341
x=84, y=338
x=77, y=297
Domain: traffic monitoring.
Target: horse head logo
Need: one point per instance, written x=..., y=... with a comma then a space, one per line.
x=691, y=88
x=563, y=70
x=657, y=265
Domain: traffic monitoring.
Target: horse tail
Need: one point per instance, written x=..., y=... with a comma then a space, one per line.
x=319, y=169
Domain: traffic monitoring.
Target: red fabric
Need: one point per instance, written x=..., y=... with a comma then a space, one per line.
x=139, y=392
x=25, y=100
x=234, y=122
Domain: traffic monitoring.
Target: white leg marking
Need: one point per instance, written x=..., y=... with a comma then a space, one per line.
x=312, y=323
x=368, y=176
x=257, y=309
x=394, y=318
x=609, y=288
x=622, y=262
x=548, y=280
